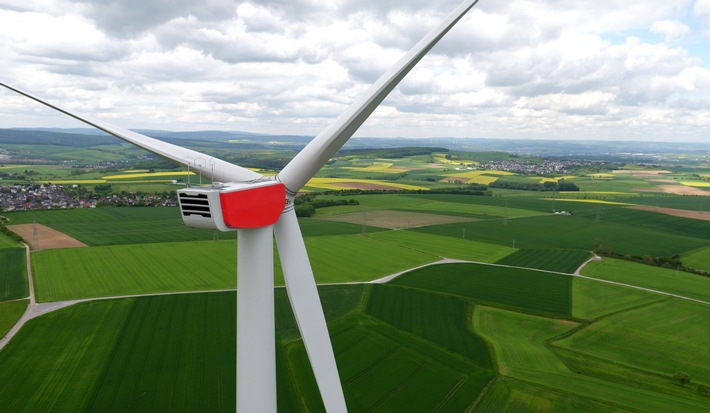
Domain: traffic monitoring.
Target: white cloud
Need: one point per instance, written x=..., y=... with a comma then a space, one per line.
x=673, y=30
x=522, y=68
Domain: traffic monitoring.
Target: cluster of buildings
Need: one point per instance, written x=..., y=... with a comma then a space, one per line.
x=546, y=167
x=45, y=196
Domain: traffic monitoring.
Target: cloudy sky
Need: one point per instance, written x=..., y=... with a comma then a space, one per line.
x=551, y=69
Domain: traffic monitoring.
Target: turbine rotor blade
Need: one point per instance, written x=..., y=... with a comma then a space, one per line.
x=306, y=305
x=207, y=165
x=309, y=161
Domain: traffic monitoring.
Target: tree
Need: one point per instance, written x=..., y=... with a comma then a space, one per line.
x=681, y=378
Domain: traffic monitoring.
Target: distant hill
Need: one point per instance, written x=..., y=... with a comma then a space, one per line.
x=87, y=137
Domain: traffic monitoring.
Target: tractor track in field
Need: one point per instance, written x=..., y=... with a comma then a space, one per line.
x=35, y=310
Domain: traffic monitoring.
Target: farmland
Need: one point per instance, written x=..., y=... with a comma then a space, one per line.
x=512, y=330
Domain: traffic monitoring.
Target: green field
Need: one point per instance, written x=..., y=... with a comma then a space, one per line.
x=66, y=274
x=512, y=332
x=13, y=274
x=444, y=246
x=699, y=259
x=646, y=276
x=662, y=338
x=622, y=230
x=593, y=299
x=535, y=291
x=10, y=312
x=566, y=261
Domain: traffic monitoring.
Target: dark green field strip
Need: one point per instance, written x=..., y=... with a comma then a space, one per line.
x=337, y=301
x=566, y=261
x=13, y=274
x=383, y=369
x=530, y=290
x=10, y=312
x=438, y=318
x=174, y=353
x=532, y=204
x=55, y=361
x=623, y=230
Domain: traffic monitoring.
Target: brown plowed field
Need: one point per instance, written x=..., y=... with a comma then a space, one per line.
x=47, y=238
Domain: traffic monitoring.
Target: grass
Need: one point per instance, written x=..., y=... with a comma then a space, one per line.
x=529, y=290
x=646, y=276
x=13, y=274
x=566, y=261
x=10, y=312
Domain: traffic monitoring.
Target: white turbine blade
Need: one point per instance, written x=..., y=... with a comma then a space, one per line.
x=327, y=143
x=303, y=294
x=207, y=165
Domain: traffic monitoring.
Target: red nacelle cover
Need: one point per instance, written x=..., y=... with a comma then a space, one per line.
x=253, y=207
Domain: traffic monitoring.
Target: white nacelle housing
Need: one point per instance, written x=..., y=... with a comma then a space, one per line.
x=200, y=207
x=232, y=206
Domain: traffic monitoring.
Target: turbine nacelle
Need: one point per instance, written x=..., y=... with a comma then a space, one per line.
x=232, y=206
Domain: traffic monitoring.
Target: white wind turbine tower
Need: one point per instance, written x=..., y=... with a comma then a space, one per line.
x=259, y=208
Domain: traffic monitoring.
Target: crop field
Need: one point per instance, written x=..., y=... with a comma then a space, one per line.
x=623, y=230
x=10, y=312
x=566, y=261
x=513, y=331
x=699, y=259
x=13, y=274
x=650, y=337
x=529, y=290
x=593, y=299
x=207, y=265
x=444, y=246
x=438, y=318
x=655, y=278
x=516, y=396
x=178, y=350
x=518, y=340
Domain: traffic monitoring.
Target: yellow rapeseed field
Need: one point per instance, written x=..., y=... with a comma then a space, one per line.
x=335, y=184
x=697, y=184
x=147, y=175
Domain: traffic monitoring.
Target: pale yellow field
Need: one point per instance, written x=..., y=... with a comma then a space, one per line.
x=591, y=201
x=136, y=171
x=696, y=184
x=148, y=175
x=438, y=158
x=74, y=181
x=543, y=180
x=384, y=167
x=347, y=183
x=602, y=175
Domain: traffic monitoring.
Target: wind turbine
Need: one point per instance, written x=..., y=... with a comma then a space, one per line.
x=260, y=208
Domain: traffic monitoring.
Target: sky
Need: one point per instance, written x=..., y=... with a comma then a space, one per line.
x=547, y=69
